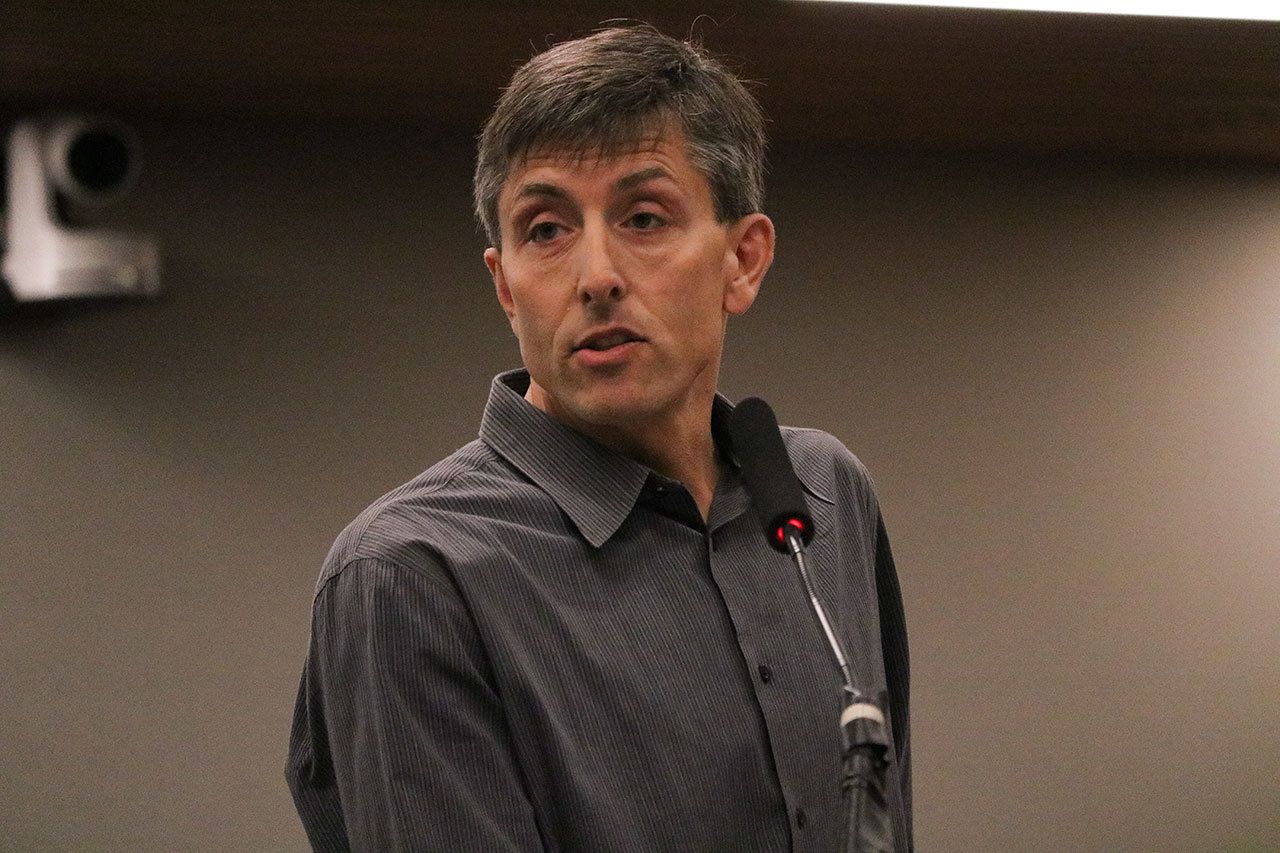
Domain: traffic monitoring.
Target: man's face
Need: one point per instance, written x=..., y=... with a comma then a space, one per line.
x=618, y=280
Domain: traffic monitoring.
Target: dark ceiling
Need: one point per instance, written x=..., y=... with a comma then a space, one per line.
x=869, y=76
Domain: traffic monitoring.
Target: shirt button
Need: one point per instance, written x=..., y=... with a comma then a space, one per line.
x=802, y=819
x=659, y=489
x=766, y=674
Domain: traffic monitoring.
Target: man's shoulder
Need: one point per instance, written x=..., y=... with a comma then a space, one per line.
x=827, y=468
x=407, y=524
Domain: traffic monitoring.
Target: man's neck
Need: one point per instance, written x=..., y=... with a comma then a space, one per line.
x=687, y=455
x=679, y=446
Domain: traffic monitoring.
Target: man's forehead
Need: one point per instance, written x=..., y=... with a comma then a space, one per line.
x=592, y=153
x=624, y=164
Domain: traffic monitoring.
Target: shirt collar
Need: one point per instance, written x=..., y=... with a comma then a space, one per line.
x=596, y=487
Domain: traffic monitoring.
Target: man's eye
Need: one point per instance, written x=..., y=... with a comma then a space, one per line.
x=543, y=231
x=644, y=220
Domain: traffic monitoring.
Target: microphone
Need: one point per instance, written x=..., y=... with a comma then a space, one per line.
x=780, y=505
x=768, y=475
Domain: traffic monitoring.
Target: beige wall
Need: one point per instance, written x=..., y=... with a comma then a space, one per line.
x=1065, y=378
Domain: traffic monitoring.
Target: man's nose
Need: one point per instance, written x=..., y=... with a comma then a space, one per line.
x=599, y=280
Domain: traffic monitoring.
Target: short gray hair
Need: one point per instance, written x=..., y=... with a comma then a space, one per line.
x=612, y=88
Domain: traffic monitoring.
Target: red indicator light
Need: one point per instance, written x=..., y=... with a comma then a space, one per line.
x=781, y=533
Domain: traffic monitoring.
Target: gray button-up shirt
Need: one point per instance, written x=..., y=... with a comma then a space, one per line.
x=538, y=644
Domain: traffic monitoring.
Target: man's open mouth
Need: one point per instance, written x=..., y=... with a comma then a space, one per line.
x=608, y=339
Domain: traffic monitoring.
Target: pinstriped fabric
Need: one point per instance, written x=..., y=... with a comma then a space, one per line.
x=538, y=644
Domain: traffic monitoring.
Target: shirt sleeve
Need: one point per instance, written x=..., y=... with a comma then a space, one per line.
x=399, y=739
x=897, y=668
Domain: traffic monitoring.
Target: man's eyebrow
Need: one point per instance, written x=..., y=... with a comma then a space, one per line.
x=637, y=178
x=540, y=190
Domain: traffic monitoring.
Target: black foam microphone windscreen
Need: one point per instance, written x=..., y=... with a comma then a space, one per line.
x=767, y=473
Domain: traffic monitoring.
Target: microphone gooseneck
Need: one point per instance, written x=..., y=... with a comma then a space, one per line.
x=796, y=549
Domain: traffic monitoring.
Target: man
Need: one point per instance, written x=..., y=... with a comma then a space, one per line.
x=571, y=634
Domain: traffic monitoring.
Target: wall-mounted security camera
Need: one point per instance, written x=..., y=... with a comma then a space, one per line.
x=64, y=161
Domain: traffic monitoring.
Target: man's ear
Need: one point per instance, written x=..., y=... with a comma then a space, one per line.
x=493, y=260
x=749, y=255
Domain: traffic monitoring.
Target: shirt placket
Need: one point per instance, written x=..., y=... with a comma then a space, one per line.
x=795, y=688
